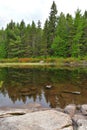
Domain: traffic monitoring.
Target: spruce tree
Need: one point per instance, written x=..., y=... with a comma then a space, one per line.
x=3, y=47
x=59, y=45
x=45, y=39
x=69, y=34
x=52, y=26
x=78, y=31
x=84, y=35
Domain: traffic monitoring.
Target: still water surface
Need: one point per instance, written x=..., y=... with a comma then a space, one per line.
x=20, y=86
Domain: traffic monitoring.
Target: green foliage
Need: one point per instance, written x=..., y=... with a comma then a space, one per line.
x=61, y=36
x=58, y=46
x=2, y=44
x=60, y=42
x=78, y=31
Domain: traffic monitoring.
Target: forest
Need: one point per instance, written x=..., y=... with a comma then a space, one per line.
x=61, y=36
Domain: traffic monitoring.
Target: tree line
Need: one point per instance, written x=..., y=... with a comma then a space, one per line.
x=61, y=36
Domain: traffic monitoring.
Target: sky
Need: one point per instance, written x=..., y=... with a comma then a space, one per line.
x=29, y=10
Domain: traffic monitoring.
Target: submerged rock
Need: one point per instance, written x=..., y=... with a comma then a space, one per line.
x=41, y=120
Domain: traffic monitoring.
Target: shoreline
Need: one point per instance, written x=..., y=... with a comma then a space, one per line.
x=68, y=62
x=25, y=64
x=71, y=64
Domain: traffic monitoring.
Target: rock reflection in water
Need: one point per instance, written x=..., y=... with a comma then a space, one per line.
x=29, y=85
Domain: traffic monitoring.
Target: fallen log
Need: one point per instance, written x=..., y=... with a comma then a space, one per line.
x=72, y=92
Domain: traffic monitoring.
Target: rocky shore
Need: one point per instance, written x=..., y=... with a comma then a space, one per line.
x=35, y=117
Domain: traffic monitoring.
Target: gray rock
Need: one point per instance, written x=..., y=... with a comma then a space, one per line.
x=12, y=111
x=70, y=109
x=41, y=120
x=84, y=109
x=76, y=117
x=69, y=128
x=59, y=109
x=82, y=124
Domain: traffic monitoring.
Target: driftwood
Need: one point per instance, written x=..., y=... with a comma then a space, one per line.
x=48, y=86
x=72, y=92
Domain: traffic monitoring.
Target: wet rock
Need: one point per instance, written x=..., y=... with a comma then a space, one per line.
x=41, y=120
x=21, y=110
x=32, y=105
x=84, y=109
x=70, y=109
x=82, y=124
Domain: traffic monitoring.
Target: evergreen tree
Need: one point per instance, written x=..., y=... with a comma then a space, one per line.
x=59, y=45
x=45, y=39
x=3, y=49
x=69, y=34
x=78, y=31
x=84, y=35
x=14, y=43
x=52, y=26
x=28, y=42
x=38, y=39
x=62, y=36
x=33, y=38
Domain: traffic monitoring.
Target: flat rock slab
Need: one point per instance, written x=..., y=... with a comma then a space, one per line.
x=40, y=120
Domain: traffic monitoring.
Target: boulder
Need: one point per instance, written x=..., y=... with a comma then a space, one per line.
x=76, y=117
x=82, y=124
x=40, y=120
x=70, y=109
x=84, y=109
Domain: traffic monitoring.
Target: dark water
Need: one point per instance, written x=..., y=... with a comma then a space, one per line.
x=20, y=86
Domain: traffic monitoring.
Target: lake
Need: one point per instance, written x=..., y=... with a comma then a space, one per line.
x=20, y=86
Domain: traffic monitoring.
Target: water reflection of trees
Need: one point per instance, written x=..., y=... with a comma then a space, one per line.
x=21, y=84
